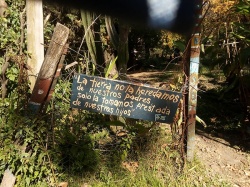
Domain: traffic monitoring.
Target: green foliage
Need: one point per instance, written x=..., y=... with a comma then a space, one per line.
x=10, y=42
x=242, y=31
x=125, y=146
x=110, y=68
x=74, y=132
x=243, y=7
x=12, y=73
x=24, y=148
x=10, y=25
x=76, y=152
x=157, y=164
x=228, y=52
x=181, y=45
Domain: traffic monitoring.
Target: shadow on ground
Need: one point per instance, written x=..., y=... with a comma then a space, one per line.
x=221, y=114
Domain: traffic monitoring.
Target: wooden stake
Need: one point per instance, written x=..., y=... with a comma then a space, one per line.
x=8, y=179
x=49, y=67
x=35, y=38
x=193, y=84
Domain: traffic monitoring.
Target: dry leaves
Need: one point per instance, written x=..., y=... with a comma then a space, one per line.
x=130, y=166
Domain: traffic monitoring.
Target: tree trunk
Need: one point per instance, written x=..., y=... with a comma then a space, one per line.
x=123, y=55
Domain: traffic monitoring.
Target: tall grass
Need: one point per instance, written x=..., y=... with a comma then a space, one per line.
x=153, y=162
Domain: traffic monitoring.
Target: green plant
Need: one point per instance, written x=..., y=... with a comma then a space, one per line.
x=110, y=68
x=11, y=46
x=228, y=53
x=125, y=146
x=157, y=164
x=24, y=150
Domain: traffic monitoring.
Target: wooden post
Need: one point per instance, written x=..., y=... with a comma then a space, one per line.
x=3, y=7
x=49, y=67
x=35, y=38
x=193, y=84
x=56, y=76
x=8, y=179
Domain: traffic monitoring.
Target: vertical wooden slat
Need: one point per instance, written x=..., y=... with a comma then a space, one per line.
x=35, y=38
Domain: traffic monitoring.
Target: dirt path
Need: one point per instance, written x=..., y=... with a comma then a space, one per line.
x=218, y=156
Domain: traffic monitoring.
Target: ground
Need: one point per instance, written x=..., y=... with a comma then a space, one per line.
x=220, y=152
x=220, y=158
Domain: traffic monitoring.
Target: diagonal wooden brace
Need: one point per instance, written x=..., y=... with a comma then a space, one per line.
x=49, y=67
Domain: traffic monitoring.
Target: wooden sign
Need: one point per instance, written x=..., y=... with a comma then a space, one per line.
x=121, y=98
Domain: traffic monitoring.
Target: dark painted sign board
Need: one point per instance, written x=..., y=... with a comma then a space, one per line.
x=122, y=98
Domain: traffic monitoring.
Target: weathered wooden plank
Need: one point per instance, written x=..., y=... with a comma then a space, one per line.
x=56, y=76
x=49, y=67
